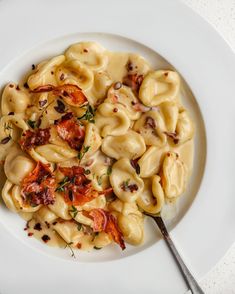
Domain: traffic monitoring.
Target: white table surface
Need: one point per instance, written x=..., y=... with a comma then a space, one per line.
x=221, y=15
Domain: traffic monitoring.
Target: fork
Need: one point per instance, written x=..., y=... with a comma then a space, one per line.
x=188, y=277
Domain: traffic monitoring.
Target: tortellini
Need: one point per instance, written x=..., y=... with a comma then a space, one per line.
x=173, y=175
x=112, y=120
x=11, y=195
x=75, y=72
x=60, y=207
x=89, y=53
x=14, y=99
x=125, y=97
x=127, y=185
x=152, y=128
x=151, y=199
x=43, y=73
x=151, y=160
x=131, y=145
x=17, y=165
x=184, y=127
x=90, y=142
x=159, y=86
x=132, y=228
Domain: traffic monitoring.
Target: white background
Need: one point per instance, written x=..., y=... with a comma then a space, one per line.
x=221, y=15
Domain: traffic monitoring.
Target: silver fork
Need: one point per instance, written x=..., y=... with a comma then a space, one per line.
x=188, y=277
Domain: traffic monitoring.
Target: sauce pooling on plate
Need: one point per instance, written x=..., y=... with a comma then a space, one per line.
x=90, y=141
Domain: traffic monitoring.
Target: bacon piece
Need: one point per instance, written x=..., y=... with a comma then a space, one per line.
x=70, y=131
x=79, y=190
x=31, y=139
x=105, y=221
x=38, y=187
x=113, y=230
x=72, y=93
x=133, y=81
x=100, y=219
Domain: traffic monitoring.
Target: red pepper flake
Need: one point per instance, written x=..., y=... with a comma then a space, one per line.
x=11, y=113
x=166, y=74
x=17, y=88
x=46, y=238
x=47, y=224
x=150, y=123
x=11, y=86
x=52, y=72
x=30, y=234
x=54, y=223
x=115, y=110
x=173, y=136
x=37, y=227
x=31, y=139
x=71, y=131
x=79, y=245
x=133, y=81
x=39, y=186
x=85, y=50
x=26, y=85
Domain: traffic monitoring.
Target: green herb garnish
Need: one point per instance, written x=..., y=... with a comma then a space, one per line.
x=97, y=248
x=99, y=179
x=74, y=211
x=83, y=152
x=62, y=184
x=79, y=226
x=109, y=170
x=88, y=115
x=87, y=172
x=125, y=184
x=32, y=123
x=68, y=245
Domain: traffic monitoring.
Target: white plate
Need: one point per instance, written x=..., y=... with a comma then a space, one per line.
x=207, y=230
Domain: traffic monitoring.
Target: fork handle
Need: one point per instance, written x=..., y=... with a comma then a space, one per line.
x=189, y=279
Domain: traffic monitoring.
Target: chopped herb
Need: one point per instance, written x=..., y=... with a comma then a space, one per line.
x=68, y=245
x=79, y=227
x=74, y=211
x=99, y=179
x=125, y=184
x=97, y=248
x=5, y=140
x=109, y=170
x=62, y=184
x=87, y=172
x=7, y=126
x=83, y=151
x=32, y=123
x=89, y=115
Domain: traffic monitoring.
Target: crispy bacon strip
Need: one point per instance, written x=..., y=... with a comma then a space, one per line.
x=133, y=81
x=113, y=230
x=100, y=219
x=70, y=131
x=66, y=91
x=78, y=190
x=105, y=221
x=31, y=139
x=38, y=187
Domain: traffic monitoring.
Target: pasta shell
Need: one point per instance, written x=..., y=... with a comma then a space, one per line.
x=159, y=86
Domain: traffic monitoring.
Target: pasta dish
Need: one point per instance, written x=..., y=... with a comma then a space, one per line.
x=89, y=140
